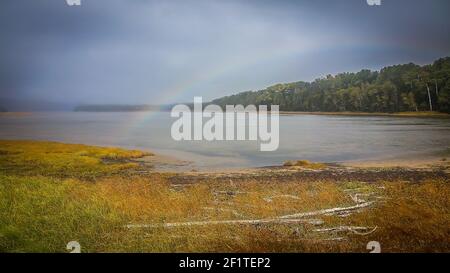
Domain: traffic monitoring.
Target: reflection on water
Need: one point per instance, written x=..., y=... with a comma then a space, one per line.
x=316, y=138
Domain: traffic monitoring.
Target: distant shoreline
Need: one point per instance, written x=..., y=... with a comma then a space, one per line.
x=284, y=113
x=15, y=114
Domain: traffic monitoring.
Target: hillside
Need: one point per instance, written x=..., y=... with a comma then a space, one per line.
x=399, y=88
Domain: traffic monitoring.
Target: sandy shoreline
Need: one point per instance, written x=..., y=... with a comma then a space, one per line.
x=171, y=164
x=419, y=163
x=420, y=169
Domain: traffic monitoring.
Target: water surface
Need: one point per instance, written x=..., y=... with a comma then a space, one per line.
x=316, y=138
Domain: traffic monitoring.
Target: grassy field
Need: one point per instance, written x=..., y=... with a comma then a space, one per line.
x=51, y=194
x=64, y=160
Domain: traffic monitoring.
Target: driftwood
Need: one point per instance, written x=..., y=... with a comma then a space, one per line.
x=327, y=211
x=224, y=222
x=285, y=219
x=356, y=197
x=355, y=230
x=232, y=193
x=337, y=239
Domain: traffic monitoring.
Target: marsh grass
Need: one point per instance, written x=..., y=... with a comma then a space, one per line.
x=304, y=164
x=41, y=211
x=64, y=160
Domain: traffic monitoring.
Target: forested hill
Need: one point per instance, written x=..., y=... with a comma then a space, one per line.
x=398, y=88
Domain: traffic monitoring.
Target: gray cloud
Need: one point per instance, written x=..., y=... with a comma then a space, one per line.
x=118, y=51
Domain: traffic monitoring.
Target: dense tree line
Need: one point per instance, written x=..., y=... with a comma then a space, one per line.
x=398, y=88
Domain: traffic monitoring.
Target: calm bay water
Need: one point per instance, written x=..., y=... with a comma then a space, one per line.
x=316, y=138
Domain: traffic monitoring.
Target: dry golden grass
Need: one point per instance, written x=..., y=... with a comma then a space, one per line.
x=42, y=212
x=413, y=217
x=304, y=164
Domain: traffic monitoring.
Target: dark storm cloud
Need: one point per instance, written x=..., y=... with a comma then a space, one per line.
x=117, y=51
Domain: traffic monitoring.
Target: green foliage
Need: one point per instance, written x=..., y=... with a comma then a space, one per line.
x=396, y=88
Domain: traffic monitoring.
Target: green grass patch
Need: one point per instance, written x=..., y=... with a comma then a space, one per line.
x=64, y=160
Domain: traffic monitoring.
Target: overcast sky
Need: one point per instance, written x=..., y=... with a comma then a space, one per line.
x=143, y=51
